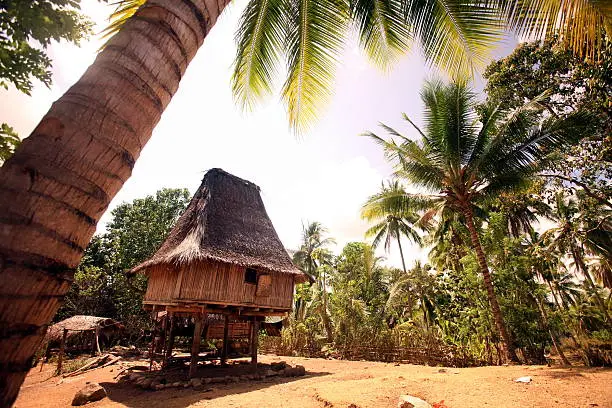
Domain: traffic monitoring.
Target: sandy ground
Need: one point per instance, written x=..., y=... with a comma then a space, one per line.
x=333, y=383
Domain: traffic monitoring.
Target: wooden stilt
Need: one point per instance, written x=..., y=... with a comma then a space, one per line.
x=153, y=340
x=161, y=338
x=60, y=358
x=195, y=347
x=225, y=345
x=98, y=340
x=170, y=336
x=254, y=341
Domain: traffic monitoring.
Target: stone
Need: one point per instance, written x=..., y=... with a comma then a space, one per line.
x=206, y=380
x=91, y=392
x=159, y=387
x=196, y=383
x=442, y=370
x=524, y=380
x=281, y=365
x=146, y=383
x=408, y=401
x=270, y=373
x=299, y=370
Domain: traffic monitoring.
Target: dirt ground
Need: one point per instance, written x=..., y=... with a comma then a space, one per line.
x=334, y=383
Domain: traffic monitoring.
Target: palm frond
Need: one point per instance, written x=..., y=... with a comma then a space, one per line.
x=579, y=23
x=124, y=10
x=315, y=37
x=260, y=37
x=382, y=31
x=456, y=35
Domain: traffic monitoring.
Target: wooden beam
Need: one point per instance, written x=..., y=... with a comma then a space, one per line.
x=170, y=336
x=60, y=358
x=225, y=340
x=195, y=347
x=254, y=341
x=98, y=339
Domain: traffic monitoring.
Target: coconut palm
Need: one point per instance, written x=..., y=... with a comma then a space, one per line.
x=60, y=181
x=569, y=237
x=462, y=162
x=312, y=256
x=390, y=223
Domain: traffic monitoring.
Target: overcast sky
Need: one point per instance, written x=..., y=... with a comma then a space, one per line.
x=324, y=175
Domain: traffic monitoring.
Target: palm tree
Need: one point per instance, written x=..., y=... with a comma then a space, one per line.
x=391, y=223
x=461, y=162
x=569, y=237
x=61, y=179
x=312, y=255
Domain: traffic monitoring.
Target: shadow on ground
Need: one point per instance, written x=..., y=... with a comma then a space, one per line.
x=132, y=396
x=571, y=372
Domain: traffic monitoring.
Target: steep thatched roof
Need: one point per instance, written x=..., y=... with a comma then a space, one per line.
x=76, y=324
x=225, y=221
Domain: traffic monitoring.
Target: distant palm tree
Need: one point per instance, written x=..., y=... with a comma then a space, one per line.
x=569, y=237
x=462, y=162
x=391, y=223
x=312, y=255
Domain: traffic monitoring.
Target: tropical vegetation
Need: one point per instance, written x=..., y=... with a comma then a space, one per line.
x=84, y=149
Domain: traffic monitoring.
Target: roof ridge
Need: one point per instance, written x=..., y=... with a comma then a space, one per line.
x=218, y=170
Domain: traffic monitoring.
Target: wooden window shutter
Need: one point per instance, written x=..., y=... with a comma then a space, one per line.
x=264, y=285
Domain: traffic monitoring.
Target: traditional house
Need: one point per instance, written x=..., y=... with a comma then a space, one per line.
x=222, y=257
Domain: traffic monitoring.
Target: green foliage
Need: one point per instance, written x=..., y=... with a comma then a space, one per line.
x=102, y=287
x=9, y=140
x=26, y=29
x=570, y=83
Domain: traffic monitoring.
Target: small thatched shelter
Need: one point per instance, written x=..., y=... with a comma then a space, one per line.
x=82, y=329
x=223, y=257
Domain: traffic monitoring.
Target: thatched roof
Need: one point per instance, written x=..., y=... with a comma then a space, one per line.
x=225, y=221
x=77, y=324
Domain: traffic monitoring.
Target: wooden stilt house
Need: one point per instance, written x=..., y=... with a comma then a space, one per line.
x=223, y=257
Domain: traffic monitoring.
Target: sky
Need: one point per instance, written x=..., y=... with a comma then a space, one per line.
x=324, y=175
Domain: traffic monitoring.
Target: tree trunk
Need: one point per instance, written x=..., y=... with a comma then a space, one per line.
x=553, y=338
x=326, y=319
x=60, y=181
x=585, y=272
x=507, y=347
x=399, y=244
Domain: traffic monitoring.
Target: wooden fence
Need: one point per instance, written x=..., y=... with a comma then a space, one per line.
x=446, y=356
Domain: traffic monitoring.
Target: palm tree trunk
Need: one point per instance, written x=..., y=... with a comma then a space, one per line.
x=585, y=272
x=553, y=337
x=60, y=181
x=326, y=319
x=399, y=244
x=507, y=348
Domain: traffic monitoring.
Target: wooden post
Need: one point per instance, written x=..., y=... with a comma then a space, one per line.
x=60, y=358
x=98, y=339
x=153, y=338
x=254, y=340
x=195, y=347
x=161, y=338
x=170, y=346
x=225, y=345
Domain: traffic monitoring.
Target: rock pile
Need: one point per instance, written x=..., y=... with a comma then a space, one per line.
x=280, y=369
